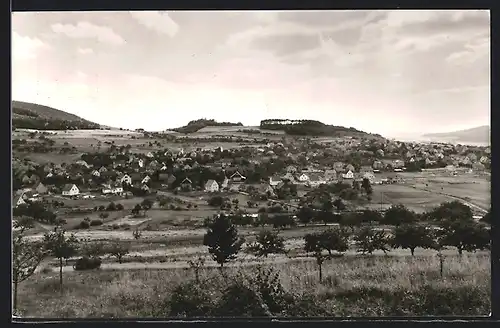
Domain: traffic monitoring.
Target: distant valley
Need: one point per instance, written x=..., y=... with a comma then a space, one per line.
x=477, y=135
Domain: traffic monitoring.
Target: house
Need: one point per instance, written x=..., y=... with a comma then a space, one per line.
x=484, y=159
x=70, y=190
x=225, y=182
x=82, y=163
x=41, y=189
x=274, y=180
x=106, y=189
x=96, y=173
x=303, y=177
x=348, y=175
x=117, y=189
x=350, y=167
x=289, y=176
x=330, y=175
x=186, y=181
x=291, y=169
x=211, y=186
x=49, y=175
x=370, y=176
x=102, y=169
x=18, y=200
x=171, y=179
x=164, y=167
x=237, y=177
x=150, y=155
x=126, y=179
x=146, y=179
x=315, y=180
x=377, y=165
x=140, y=162
x=398, y=164
x=145, y=188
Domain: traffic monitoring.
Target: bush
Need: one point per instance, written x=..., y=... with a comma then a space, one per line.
x=94, y=223
x=103, y=215
x=239, y=300
x=84, y=225
x=86, y=263
x=190, y=300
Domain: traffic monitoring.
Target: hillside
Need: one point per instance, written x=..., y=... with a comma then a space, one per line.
x=311, y=128
x=196, y=125
x=33, y=116
x=480, y=134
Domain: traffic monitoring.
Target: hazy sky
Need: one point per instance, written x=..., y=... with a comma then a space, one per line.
x=388, y=72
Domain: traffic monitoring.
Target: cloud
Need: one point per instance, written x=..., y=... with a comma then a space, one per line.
x=24, y=47
x=287, y=44
x=85, y=51
x=475, y=51
x=86, y=30
x=156, y=21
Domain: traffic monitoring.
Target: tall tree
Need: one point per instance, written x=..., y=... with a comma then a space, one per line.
x=465, y=236
x=369, y=240
x=26, y=255
x=411, y=237
x=61, y=247
x=267, y=242
x=399, y=214
x=222, y=239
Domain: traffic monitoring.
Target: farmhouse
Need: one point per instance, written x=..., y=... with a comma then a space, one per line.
x=211, y=186
x=348, y=175
x=18, y=200
x=186, y=181
x=303, y=177
x=274, y=180
x=146, y=179
x=41, y=189
x=370, y=176
x=96, y=173
x=126, y=179
x=237, y=177
x=70, y=190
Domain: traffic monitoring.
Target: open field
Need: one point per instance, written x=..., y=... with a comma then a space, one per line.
x=351, y=286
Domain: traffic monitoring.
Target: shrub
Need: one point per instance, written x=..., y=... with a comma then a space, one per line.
x=190, y=300
x=103, y=215
x=84, y=225
x=95, y=223
x=239, y=300
x=86, y=263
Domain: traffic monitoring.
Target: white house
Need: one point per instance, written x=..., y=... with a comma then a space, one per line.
x=348, y=175
x=106, y=189
x=303, y=177
x=224, y=183
x=141, y=162
x=164, y=167
x=117, y=189
x=274, y=180
x=18, y=200
x=150, y=155
x=126, y=179
x=96, y=173
x=146, y=179
x=70, y=190
x=211, y=186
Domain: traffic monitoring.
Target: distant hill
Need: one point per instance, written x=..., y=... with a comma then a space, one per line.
x=480, y=134
x=33, y=116
x=196, y=125
x=311, y=128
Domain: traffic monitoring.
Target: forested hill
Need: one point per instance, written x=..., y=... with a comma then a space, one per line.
x=197, y=125
x=310, y=128
x=33, y=116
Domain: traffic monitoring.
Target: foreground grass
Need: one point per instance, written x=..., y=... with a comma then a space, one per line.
x=351, y=286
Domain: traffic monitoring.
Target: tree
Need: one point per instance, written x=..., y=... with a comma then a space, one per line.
x=451, y=211
x=305, y=214
x=146, y=205
x=329, y=240
x=94, y=249
x=61, y=247
x=26, y=255
x=215, y=201
x=268, y=242
x=411, y=237
x=119, y=250
x=222, y=240
x=367, y=186
x=369, y=216
x=339, y=204
x=369, y=240
x=399, y=214
x=465, y=236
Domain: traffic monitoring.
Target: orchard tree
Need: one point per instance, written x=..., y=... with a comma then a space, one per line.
x=465, y=236
x=329, y=240
x=222, y=239
x=450, y=211
x=412, y=236
x=305, y=214
x=119, y=250
x=367, y=186
x=370, y=216
x=61, y=247
x=26, y=255
x=93, y=249
x=369, y=240
x=399, y=214
x=268, y=242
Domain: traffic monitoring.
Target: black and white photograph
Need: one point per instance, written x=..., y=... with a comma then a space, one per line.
x=252, y=163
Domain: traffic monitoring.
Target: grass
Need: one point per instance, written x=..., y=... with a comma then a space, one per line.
x=352, y=286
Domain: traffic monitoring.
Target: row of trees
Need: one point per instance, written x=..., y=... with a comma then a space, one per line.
x=224, y=243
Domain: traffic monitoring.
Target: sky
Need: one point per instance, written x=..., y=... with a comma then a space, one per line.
x=390, y=72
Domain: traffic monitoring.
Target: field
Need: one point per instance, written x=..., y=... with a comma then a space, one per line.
x=351, y=286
